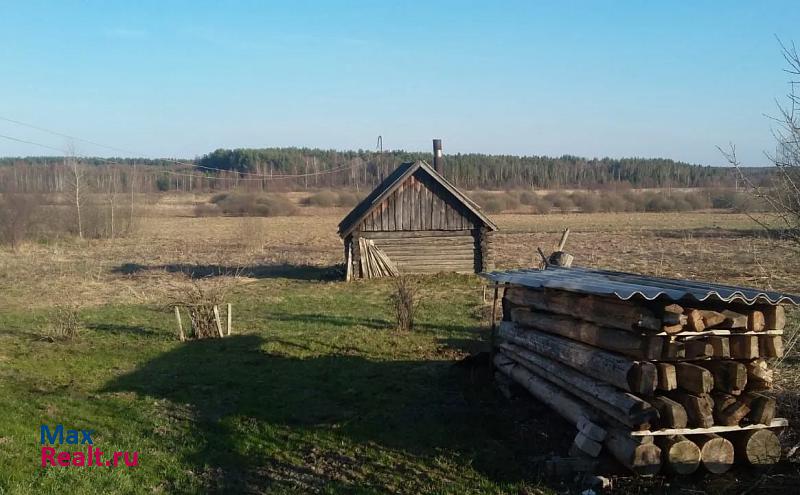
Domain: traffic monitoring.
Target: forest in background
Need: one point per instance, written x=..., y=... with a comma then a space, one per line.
x=286, y=169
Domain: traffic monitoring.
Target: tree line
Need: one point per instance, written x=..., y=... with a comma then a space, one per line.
x=284, y=169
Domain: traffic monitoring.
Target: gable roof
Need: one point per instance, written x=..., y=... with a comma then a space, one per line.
x=392, y=182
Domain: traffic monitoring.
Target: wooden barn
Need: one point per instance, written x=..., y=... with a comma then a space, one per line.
x=415, y=221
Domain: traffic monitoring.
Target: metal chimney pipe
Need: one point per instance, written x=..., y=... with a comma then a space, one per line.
x=438, y=160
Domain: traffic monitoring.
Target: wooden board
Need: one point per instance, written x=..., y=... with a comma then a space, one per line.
x=776, y=423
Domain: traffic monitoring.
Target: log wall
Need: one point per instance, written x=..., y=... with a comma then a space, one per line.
x=428, y=251
x=418, y=204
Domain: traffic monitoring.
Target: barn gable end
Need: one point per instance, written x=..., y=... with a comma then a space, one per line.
x=421, y=223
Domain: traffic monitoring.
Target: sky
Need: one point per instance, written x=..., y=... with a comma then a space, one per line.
x=180, y=79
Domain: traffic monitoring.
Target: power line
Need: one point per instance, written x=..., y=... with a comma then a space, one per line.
x=170, y=160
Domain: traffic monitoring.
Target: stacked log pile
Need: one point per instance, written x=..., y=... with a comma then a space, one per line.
x=656, y=384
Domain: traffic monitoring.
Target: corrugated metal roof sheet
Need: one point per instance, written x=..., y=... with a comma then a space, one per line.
x=627, y=285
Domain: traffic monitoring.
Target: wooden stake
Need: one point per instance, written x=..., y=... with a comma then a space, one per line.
x=230, y=308
x=180, y=324
x=217, y=321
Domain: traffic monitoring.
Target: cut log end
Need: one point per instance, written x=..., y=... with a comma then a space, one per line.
x=757, y=447
x=716, y=453
x=679, y=454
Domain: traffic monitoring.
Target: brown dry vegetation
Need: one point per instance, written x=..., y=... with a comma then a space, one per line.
x=171, y=243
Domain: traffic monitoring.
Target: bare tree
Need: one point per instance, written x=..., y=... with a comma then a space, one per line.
x=77, y=185
x=782, y=196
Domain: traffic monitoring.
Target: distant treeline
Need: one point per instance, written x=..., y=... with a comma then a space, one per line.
x=473, y=170
x=284, y=169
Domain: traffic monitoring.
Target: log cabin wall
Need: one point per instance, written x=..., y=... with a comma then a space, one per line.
x=421, y=224
x=422, y=231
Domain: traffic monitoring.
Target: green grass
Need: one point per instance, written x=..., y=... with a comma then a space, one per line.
x=315, y=391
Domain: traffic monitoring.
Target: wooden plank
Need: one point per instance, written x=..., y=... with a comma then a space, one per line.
x=217, y=321
x=229, y=315
x=776, y=423
x=181, y=335
x=410, y=235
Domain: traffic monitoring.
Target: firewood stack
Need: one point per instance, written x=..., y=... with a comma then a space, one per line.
x=657, y=384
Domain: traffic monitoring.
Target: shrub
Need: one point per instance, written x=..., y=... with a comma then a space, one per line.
x=254, y=205
x=65, y=324
x=560, y=200
x=207, y=210
x=404, y=303
x=493, y=205
x=528, y=198
x=322, y=198
x=347, y=198
x=17, y=216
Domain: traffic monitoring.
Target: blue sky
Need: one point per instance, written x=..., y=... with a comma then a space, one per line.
x=179, y=79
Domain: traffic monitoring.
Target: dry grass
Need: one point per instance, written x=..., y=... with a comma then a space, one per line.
x=135, y=269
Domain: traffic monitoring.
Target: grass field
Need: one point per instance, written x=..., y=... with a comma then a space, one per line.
x=315, y=391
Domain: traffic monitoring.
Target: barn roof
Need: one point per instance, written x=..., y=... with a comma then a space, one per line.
x=392, y=182
x=627, y=285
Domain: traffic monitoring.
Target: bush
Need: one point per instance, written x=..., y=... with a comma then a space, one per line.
x=349, y=198
x=404, y=302
x=65, y=324
x=323, y=199
x=560, y=200
x=17, y=215
x=207, y=210
x=528, y=198
x=493, y=205
x=254, y=205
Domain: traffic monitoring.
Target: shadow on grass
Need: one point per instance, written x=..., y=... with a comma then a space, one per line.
x=350, y=322
x=254, y=410
x=283, y=270
x=120, y=329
